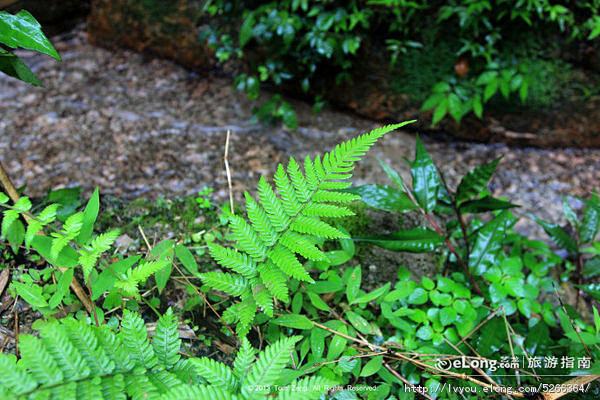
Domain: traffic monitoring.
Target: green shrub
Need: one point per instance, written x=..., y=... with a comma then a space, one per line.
x=470, y=51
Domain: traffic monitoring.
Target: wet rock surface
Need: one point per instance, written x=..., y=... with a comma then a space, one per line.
x=142, y=127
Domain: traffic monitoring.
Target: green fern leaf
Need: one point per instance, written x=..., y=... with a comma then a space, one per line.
x=89, y=255
x=302, y=245
x=335, y=185
x=288, y=263
x=198, y=392
x=113, y=387
x=228, y=283
x=260, y=221
x=14, y=380
x=33, y=229
x=272, y=205
x=315, y=226
x=300, y=184
x=291, y=204
x=56, y=341
x=69, y=232
x=166, y=342
x=135, y=339
x=185, y=371
x=243, y=360
x=87, y=389
x=113, y=347
x=215, y=373
x=311, y=174
x=263, y=298
x=268, y=367
x=163, y=380
x=247, y=311
x=85, y=341
x=38, y=361
x=274, y=280
x=139, y=387
x=236, y=261
x=326, y=210
x=247, y=238
x=10, y=216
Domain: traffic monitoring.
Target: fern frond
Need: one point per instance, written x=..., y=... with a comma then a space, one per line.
x=326, y=210
x=274, y=280
x=166, y=342
x=291, y=204
x=89, y=255
x=138, y=275
x=243, y=360
x=86, y=390
x=139, y=387
x=56, y=341
x=270, y=363
x=14, y=380
x=228, y=283
x=272, y=205
x=38, y=361
x=215, y=373
x=163, y=380
x=198, y=392
x=288, y=263
x=185, y=372
x=113, y=346
x=302, y=245
x=314, y=226
x=135, y=339
x=247, y=311
x=69, y=232
x=260, y=221
x=246, y=238
x=113, y=387
x=300, y=184
x=9, y=217
x=46, y=216
x=234, y=260
x=85, y=341
x=285, y=223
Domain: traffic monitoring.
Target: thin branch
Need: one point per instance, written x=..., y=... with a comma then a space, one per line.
x=227, y=171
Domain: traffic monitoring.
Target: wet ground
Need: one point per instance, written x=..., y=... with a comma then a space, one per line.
x=142, y=127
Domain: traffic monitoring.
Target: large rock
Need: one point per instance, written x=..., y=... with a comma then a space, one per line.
x=171, y=30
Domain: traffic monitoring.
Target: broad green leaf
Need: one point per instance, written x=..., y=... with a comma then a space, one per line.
x=490, y=89
x=317, y=342
x=448, y=316
x=321, y=287
x=246, y=30
x=383, y=197
x=591, y=267
x=295, y=321
x=560, y=237
x=591, y=220
x=485, y=204
x=23, y=30
x=372, y=367
x=433, y=101
x=525, y=307
x=475, y=181
x=477, y=106
x=67, y=258
x=90, y=214
x=455, y=106
x=62, y=288
x=186, y=258
x=316, y=301
x=487, y=243
x=416, y=240
x=393, y=175
x=12, y=65
x=353, y=284
x=162, y=277
x=418, y=296
x=425, y=178
x=31, y=293
x=569, y=213
x=425, y=333
x=440, y=111
x=361, y=324
x=162, y=249
x=372, y=295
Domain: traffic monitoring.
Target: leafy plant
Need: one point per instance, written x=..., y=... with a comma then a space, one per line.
x=22, y=30
x=282, y=226
x=76, y=360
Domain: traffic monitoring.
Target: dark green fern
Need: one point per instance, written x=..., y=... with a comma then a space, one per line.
x=284, y=225
x=73, y=360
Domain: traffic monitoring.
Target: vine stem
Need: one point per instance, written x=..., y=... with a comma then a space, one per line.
x=446, y=240
x=14, y=196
